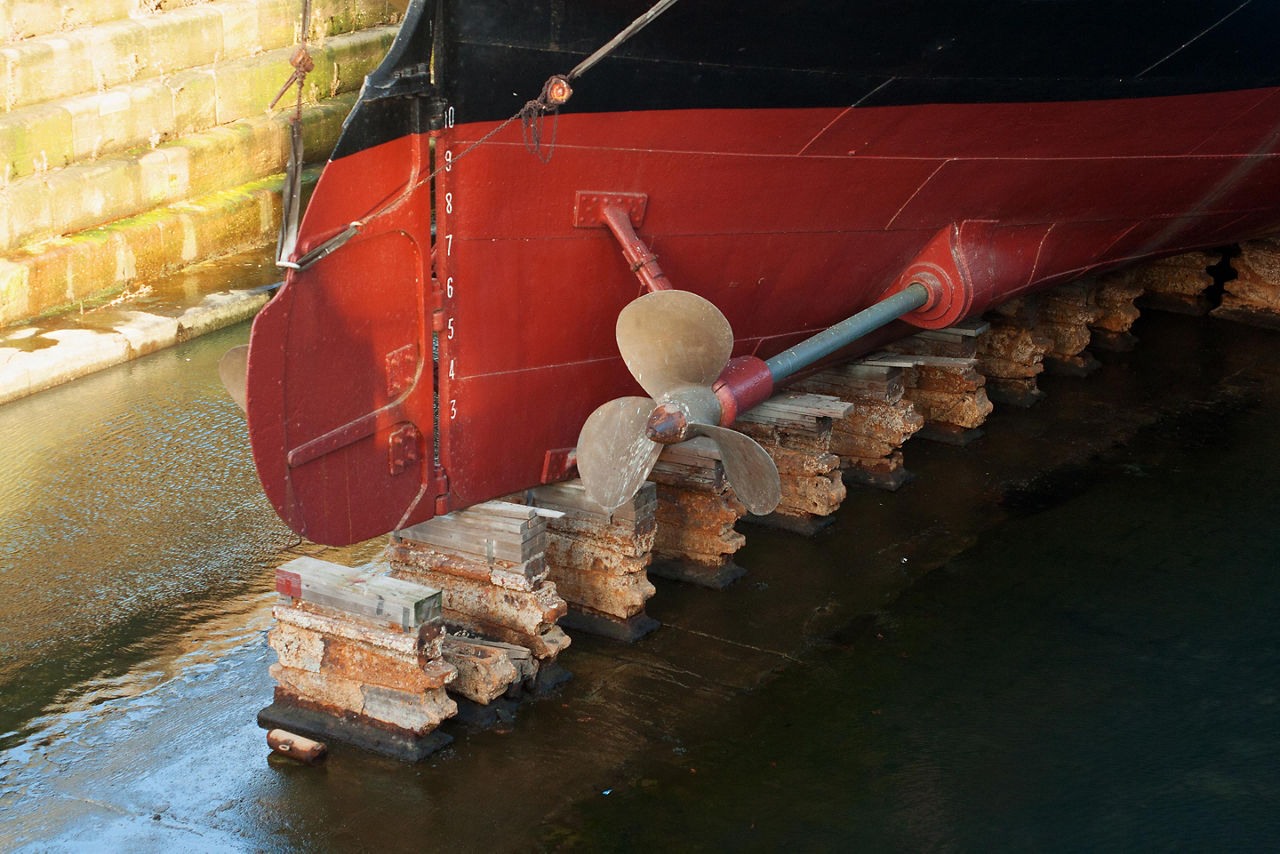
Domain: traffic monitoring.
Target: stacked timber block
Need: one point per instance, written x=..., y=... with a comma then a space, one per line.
x=597, y=559
x=1066, y=315
x=869, y=439
x=1178, y=283
x=1253, y=297
x=1113, y=299
x=489, y=562
x=360, y=659
x=696, y=515
x=488, y=670
x=1011, y=353
x=796, y=429
x=135, y=138
x=942, y=381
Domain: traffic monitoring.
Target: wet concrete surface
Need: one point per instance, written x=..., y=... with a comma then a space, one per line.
x=137, y=589
x=96, y=334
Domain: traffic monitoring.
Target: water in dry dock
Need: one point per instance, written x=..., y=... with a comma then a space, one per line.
x=1048, y=641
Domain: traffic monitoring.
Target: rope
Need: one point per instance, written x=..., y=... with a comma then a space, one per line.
x=608, y=47
x=555, y=93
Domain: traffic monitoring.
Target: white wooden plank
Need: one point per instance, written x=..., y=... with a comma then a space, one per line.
x=363, y=591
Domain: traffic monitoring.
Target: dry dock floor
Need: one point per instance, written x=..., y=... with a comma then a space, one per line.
x=149, y=743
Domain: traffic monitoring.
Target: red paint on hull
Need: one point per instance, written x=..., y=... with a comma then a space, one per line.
x=324, y=398
x=788, y=220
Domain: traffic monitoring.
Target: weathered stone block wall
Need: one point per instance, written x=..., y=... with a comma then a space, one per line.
x=135, y=137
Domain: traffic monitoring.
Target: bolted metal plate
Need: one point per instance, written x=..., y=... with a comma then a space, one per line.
x=588, y=207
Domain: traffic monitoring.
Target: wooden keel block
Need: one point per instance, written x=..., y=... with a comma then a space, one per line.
x=523, y=617
x=489, y=562
x=495, y=531
x=334, y=655
x=494, y=677
x=887, y=473
x=420, y=645
x=696, y=515
x=1178, y=284
x=1253, y=297
x=796, y=430
x=868, y=439
x=359, y=656
x=598, y=559
x=797, y=421
x=959, y=340
x=414, y=712
x=948, y=392
x=1066, y=315
x=486, y=671
x=1113, y=295
x=1011, y=354
x=363, y=591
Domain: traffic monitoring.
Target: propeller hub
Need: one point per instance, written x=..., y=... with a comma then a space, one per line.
x=668, y=424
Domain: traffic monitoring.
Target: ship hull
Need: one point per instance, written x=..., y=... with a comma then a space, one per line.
x=483, y=363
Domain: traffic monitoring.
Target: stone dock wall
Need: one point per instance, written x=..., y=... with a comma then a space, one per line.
x=135, y=138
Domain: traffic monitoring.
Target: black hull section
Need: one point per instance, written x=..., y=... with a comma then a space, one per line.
x=486, y=58
x=824, y=53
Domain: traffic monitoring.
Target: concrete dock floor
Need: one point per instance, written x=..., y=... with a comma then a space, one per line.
x=160, y=751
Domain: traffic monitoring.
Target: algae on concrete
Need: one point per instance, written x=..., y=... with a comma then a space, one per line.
x=135, y=142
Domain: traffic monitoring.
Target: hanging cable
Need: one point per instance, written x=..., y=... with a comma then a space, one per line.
x=291, y=197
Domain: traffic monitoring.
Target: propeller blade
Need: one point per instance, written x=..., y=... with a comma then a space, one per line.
x=673, y=338
x=614, y=454
x=233, y=368
x=749, y=468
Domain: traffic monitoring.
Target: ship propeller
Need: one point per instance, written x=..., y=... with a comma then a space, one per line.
x=675, y=343
x=233, y=367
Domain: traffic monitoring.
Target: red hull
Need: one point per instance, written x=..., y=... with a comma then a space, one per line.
x=788, y=220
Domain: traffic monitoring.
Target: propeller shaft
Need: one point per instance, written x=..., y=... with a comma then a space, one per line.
x=847, y=331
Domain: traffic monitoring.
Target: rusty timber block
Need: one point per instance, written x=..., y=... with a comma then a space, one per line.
x=796, y=428
x=1011, y=353
x=959, y=341
x=487, y=670
x=868, y=439
x=316, y=638
x=1178, y=283
x=696, y=515
x=1066, y=315
x=798, y=421
x=411, y=711
x=495, y=530
x=1113, y=295
x=1253, y=297
x=359, y=659
x=494, y=677
x=888, y=473
x=489, y=563
x=598, y=559
x=947, y=391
